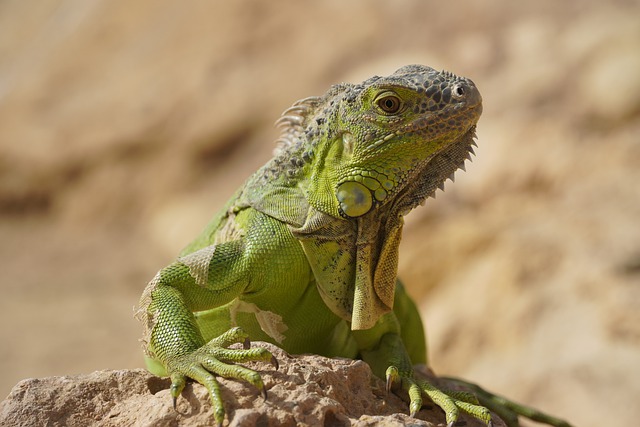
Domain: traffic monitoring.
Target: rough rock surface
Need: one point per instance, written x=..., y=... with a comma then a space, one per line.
x=306, y=390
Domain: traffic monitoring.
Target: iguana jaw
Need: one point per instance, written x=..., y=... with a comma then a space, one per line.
x=432, y=176
x=367, y=190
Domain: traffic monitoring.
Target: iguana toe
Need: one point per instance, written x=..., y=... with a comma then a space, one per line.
x=178, y=382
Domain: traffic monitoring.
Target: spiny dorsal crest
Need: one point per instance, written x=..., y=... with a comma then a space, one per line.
x=291, y=122
x=302, y=127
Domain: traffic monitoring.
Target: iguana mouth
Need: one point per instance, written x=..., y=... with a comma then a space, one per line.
x=371, y=190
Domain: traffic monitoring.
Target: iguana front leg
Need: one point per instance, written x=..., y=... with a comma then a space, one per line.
x=202, y=280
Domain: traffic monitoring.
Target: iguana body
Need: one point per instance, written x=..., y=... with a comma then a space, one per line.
x=305, y=254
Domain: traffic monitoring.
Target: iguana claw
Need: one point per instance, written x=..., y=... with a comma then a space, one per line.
x=392, y=376
x=178, y=383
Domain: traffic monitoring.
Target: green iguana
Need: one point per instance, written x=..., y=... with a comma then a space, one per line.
x=305, y=254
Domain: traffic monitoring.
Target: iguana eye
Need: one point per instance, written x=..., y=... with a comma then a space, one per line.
x=389, y=103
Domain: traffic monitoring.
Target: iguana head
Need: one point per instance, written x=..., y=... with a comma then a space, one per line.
x=385, y=131
x=359, y=146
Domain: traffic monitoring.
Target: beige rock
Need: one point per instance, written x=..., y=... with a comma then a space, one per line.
x=306, y=390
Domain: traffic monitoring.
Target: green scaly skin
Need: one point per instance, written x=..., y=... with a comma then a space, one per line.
x=305, y=253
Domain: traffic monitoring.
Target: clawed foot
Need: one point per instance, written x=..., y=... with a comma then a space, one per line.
x=477, y=403
x=508, y=410
x=203, y=364
x=451, y=402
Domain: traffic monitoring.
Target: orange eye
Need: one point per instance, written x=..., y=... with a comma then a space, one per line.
x=390, y=104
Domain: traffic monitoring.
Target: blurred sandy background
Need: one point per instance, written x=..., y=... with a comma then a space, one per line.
x=125, y=125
